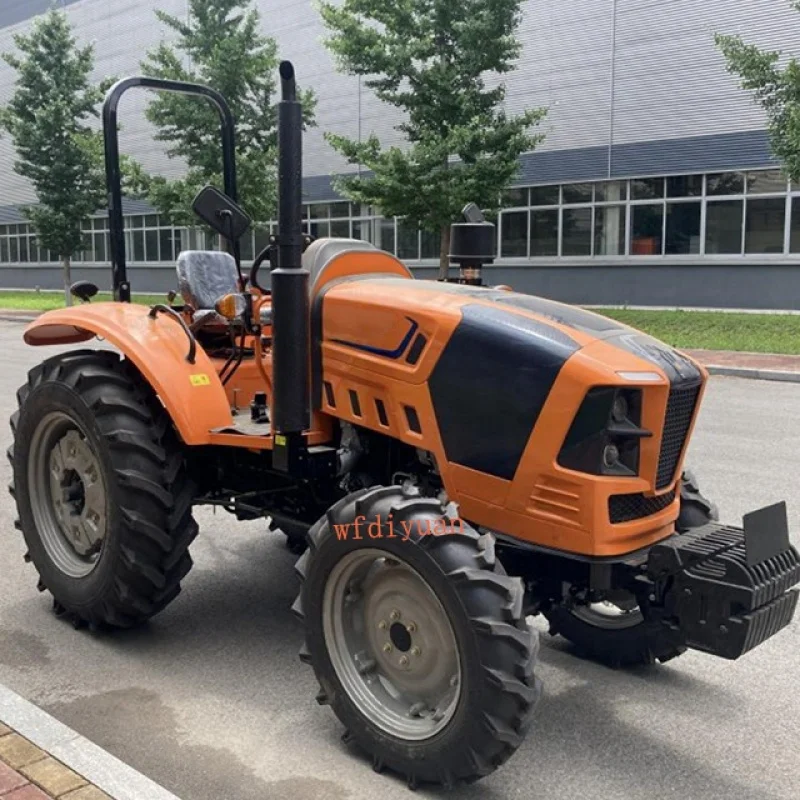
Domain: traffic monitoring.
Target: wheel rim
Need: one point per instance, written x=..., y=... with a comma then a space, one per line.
x=391, y=644
x=67, y=494
x=610, y=616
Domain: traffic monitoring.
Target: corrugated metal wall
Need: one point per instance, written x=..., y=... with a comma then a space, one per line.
x=612, y=72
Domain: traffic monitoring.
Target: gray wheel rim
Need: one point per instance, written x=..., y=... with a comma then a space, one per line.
x=609, y=616
x=391, y=644
x=68, y=494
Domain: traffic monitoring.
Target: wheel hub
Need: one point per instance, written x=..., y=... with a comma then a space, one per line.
x=68, y=494
x=392, y=644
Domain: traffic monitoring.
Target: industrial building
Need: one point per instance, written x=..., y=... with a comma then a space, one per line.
x=654, y=186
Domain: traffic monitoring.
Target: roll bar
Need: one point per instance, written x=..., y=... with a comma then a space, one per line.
x=121, y=285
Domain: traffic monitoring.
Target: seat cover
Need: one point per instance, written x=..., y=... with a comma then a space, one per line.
x=206, y=275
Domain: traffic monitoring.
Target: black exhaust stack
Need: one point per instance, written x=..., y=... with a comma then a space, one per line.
x=290, y=313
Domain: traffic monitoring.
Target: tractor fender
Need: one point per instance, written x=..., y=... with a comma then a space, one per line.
x=192, y=393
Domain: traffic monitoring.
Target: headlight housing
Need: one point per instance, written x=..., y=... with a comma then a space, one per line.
x=605, y=435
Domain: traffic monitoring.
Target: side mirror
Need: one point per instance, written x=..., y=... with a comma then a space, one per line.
x=220, y=213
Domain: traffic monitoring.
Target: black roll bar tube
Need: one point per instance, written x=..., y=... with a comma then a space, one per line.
x=121, y=285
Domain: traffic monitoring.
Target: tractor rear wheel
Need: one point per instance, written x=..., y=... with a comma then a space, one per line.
x=418, y=641
x=619, y=635
x=104, y=501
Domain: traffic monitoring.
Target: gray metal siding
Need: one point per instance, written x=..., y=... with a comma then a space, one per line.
x=674, y=107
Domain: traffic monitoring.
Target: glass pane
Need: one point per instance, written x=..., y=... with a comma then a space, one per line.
x=794, y=241
x=262, y=239
x=319, y=211
x=23, y=249
x=151, y=245
x=320, y=229
x=769, y=182
x=151, y=221
x=245, y=247
x=515, y=234
x=99, y=242
x=764, y=226
x=577, y=232
x=646, y=230
x=431, y=244
x=137, y=221
x=13, y=250
x=724, y=183
x=683, y=228
x=610, y=191
x=647, y=188
x=138, y=246
x=685, y=186
x=544, y=196
x=341, y=229
x=4, y=251
x=724, y=227
x=544, y=233
x=609, y=231
x=407, y=240
x=166, y=241
x=340, y=209
x=514, y=198
x=578, y=193
x=363, y=229
x=386, y=235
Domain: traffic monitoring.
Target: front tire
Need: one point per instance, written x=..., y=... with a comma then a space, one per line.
x=101, y=488
x=623, y=637
x=420, y=646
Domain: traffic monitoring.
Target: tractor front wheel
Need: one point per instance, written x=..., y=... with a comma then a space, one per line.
x=619, y=634
x=101, y=488
x=417, y=637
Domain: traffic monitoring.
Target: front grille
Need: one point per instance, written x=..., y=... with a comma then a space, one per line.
x=680, y=411
x=627, y=507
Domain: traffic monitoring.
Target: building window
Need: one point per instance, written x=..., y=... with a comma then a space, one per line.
x=765, y=225
x=647, y=230
x=647, y=188
x=544, y=232
x=609, y=231
x=577, y=193
x=545, y=195
x=724, y=227
x=683, y=228
x=514, y=242
x=723, y=183
x=577, y=227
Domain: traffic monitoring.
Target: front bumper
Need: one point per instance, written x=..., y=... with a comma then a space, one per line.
x=725, y=590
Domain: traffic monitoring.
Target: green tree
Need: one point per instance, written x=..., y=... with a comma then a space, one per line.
x=775, y=89
x=430, y=59
x=220, y=45
x=57, y=150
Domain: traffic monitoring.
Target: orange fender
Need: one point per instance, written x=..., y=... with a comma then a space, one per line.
x=192, y=393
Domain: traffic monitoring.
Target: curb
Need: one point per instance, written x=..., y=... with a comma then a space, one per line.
x=100, y=768
x=782, y=376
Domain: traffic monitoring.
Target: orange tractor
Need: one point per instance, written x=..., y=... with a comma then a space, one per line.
x=448, y=458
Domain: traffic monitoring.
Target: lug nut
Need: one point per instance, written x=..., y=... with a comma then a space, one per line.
x=411, y=627
x=387, y=648
x=415, y=651
x=395, y=615
x=403, y=661
x=382, y=625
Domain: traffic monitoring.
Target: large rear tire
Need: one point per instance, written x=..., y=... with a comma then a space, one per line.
x=104, y=501
x=621, y=636
x=420, y=646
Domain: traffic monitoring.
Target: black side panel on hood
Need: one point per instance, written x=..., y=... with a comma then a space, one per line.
x=491, y=383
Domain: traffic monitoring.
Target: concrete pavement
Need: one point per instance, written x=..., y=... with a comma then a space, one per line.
x=210, y=700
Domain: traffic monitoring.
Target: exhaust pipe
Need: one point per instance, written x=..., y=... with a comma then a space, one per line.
x=290, y=306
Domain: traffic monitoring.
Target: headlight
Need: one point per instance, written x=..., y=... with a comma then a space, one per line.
x=605, y=434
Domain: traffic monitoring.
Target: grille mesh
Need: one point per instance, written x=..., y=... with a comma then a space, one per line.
x=627, y=507
x=680, y=410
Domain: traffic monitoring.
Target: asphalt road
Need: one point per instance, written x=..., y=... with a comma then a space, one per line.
x=210, y=699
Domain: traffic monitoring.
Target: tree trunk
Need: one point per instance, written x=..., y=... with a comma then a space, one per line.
x=66, y=263
x=444, y=253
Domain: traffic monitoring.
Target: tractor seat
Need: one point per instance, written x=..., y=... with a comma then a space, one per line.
x=203, y=277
